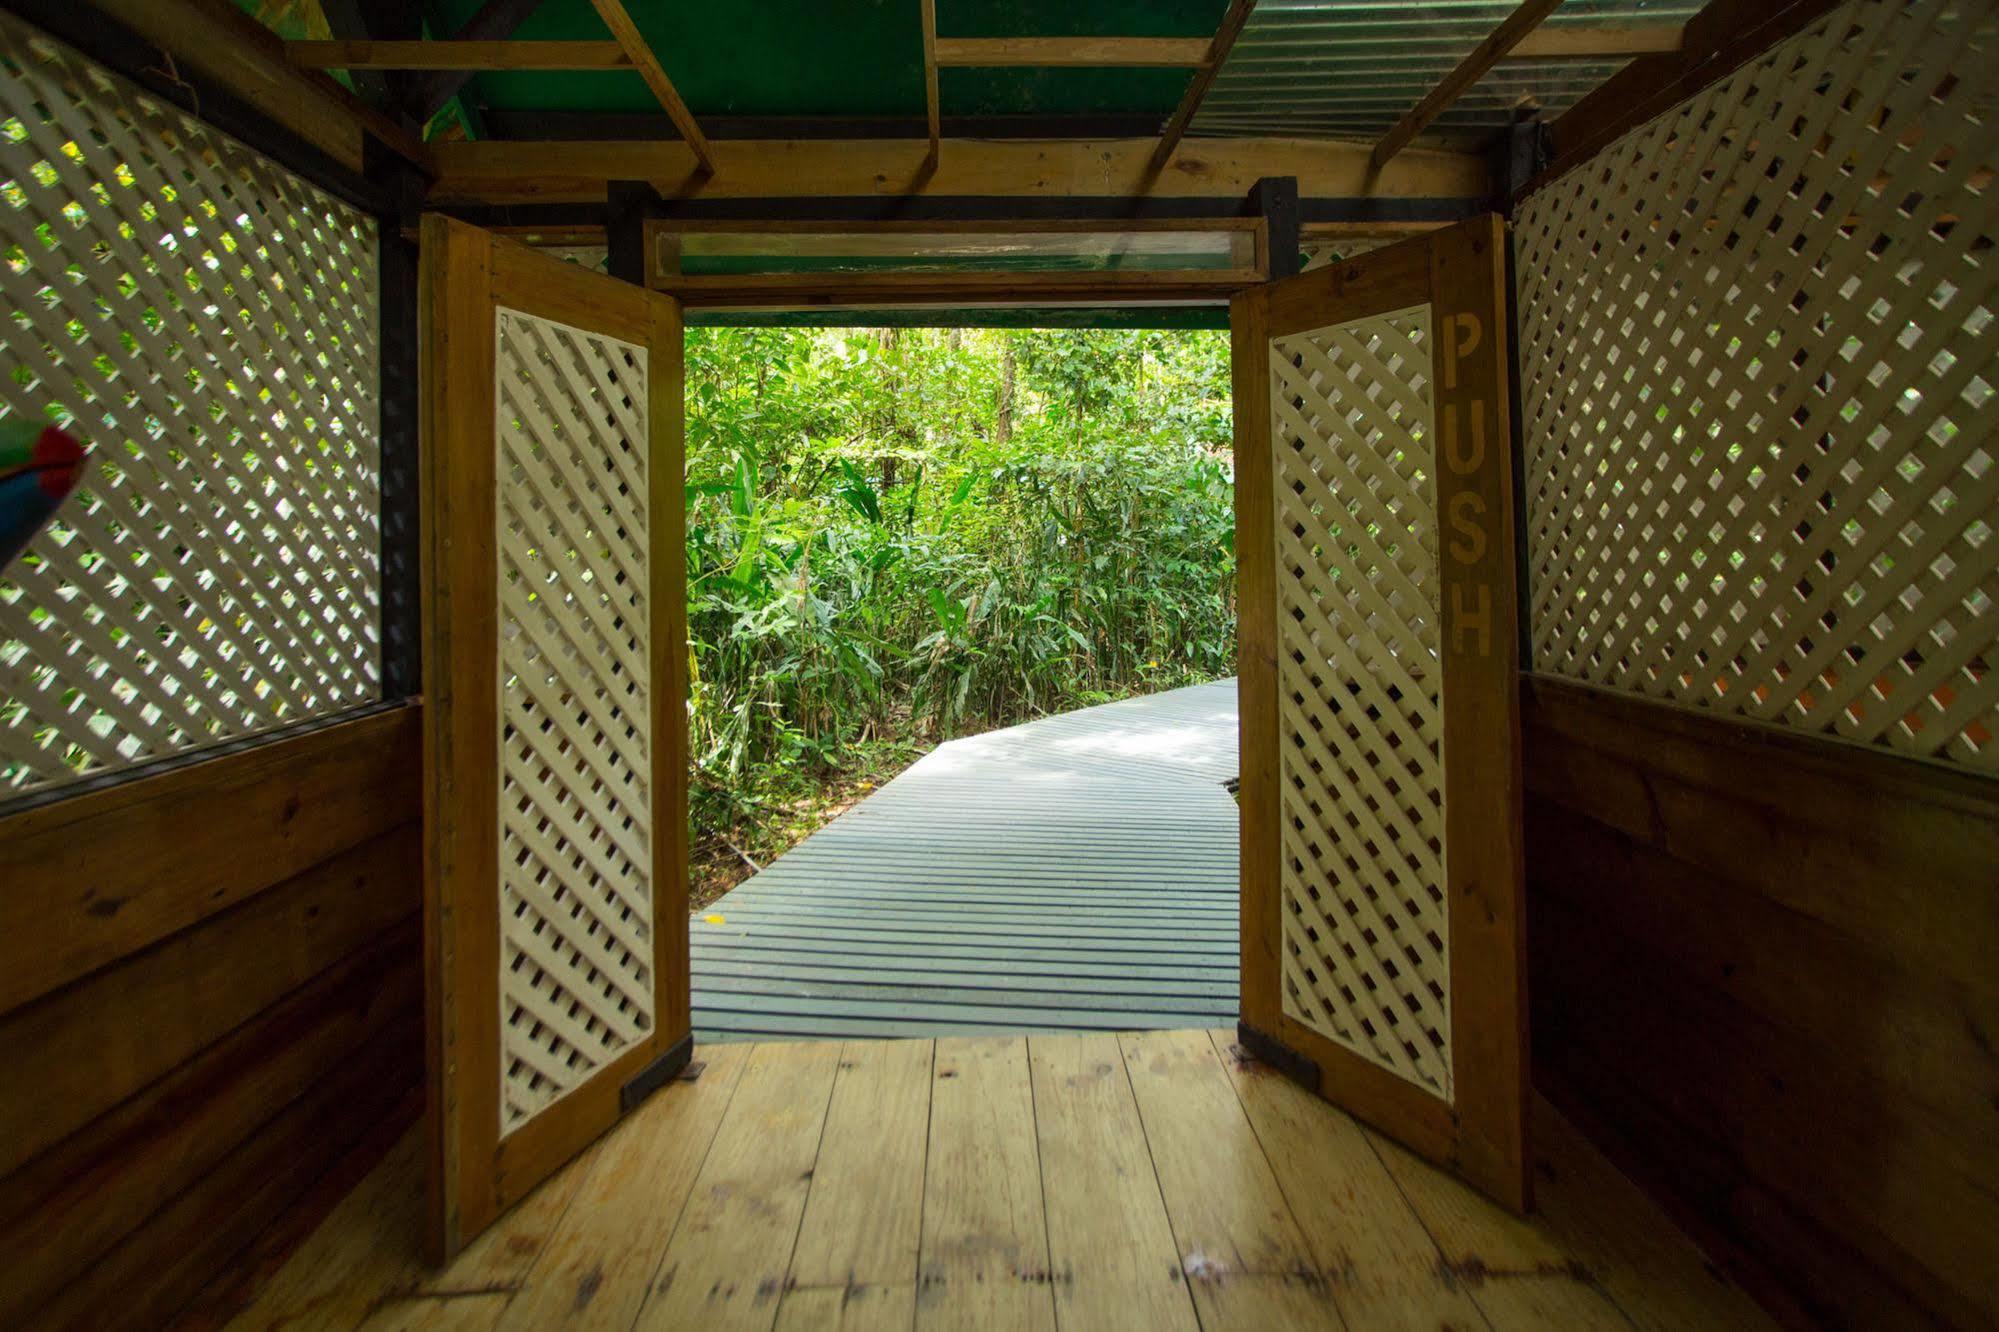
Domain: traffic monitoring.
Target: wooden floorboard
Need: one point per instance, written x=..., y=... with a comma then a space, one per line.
x=1076, y=873
x=1146, y=1180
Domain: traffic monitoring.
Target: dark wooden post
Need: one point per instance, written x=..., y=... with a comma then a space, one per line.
x=627, y=205
x=1275, y=199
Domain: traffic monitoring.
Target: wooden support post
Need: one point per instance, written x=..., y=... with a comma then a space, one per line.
x=1469, y=71
x=1516, y=154
x=397, y=348
x=1204, y=78
x=628, y=203
x=1275, y=198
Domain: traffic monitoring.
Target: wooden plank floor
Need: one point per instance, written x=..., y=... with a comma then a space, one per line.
x=1073, y=873
x=1147, y=1180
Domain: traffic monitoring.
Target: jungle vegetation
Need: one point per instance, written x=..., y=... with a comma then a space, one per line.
x=895, y=536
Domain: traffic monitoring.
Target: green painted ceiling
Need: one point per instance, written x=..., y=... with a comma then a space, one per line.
x=841, y=57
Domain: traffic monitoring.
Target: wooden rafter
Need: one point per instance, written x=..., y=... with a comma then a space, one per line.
x=495, y=21
x=1204, y=77
x=1592, y=43
x=470, y=55
x=932, y=114
x=634, y=43
x=1470, y=70
x=1061, y=52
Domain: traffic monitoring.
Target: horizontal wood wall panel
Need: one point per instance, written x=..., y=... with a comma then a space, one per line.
x=154, y=1272
x=73, y=1203
x=1898, y=855
x=91, y=1045
x=95, y=877
x=1765, y=963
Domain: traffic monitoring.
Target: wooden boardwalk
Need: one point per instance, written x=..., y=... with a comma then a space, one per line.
x=1074, y=873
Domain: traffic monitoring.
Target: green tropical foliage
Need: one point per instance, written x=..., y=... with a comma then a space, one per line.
x=897, y=535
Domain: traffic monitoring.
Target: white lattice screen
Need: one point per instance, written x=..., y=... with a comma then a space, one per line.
x=576, y=967
x=1758, y=351
x=206, y=321
x=1360, y=720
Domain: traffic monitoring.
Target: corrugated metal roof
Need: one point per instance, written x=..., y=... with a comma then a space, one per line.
x=1351, y=68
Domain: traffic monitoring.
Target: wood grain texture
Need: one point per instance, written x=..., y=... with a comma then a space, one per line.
x=1349, y=1206
x=1072, y=52
x=96, y=877
x=1272, y=1230
x=726, y=1264
x=1111, y=1251
x=1245, y=1258
x=1476, y=64
x=1755, y=959
x=577, y=172
x=599, y=1267
x=64, y=1210
x=227, y=45
x=1484, y=867
x=640, y=52
x=1234, y=18
x=985, y=1236
x=468, y=55
x=110, y=1035
x=862, y=1219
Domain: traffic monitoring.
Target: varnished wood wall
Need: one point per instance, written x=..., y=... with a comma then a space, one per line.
x=1767, y=967
x=209, y=993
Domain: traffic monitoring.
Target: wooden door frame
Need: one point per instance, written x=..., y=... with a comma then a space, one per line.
x=1460, y=272
x=468, y=274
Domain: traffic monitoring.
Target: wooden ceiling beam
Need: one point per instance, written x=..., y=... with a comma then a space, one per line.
x=634, y=43
x=1217, y=54
x=932, y=107
x=1470, y=70
x=1622, y=42
x=1073, y=52
x=468, y=55
x=573, y=171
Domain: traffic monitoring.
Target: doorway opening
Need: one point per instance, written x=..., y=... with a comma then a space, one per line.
x=961, y=605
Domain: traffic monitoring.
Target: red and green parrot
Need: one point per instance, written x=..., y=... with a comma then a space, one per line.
x=39, y=466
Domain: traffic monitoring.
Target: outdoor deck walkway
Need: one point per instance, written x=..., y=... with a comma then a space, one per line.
x=1074, y=873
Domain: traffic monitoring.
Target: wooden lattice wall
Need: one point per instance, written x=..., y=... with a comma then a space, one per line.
x=1757, y=351
x=206, y=321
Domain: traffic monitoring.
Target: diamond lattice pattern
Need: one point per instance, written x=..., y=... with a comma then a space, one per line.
x=206, y=321
x=576, y=967
x=1758, y=351
x=1360, y=722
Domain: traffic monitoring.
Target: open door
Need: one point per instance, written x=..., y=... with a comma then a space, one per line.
x=555, y=894
x=1382, y=904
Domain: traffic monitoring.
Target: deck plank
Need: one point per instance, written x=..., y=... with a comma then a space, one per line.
x=1245, y=1257
x=864, y=1212
x=1041, y=1192
x=1110, y=1245
x=1076, y=873
x=727, y=1262
x=985, y=1238
x=596, y=1268
x=1389, y=1273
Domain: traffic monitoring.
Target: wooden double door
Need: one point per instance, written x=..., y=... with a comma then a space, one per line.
x=1381, y=918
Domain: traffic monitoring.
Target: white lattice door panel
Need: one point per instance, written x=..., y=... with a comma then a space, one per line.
x=1759, y=341
x=555, y=693
x=1381, y=911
